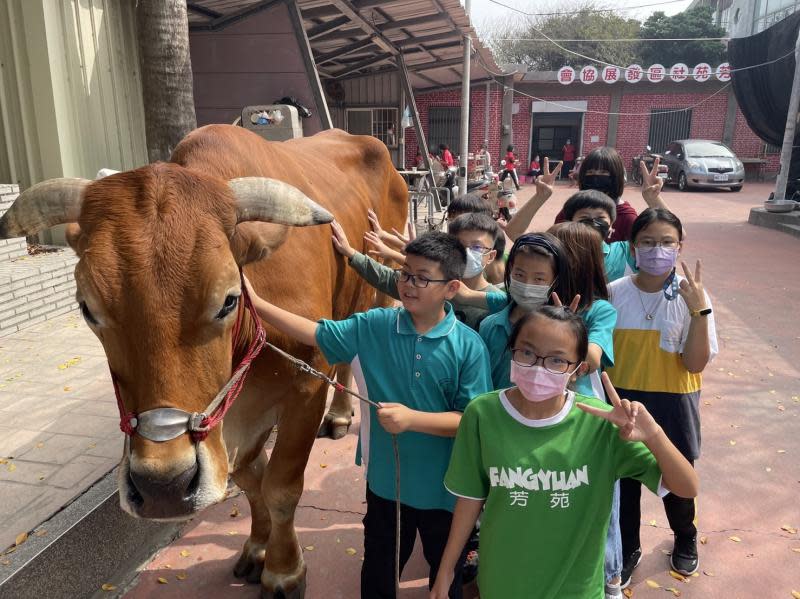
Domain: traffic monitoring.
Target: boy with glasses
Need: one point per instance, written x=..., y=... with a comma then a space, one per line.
x=423, y=366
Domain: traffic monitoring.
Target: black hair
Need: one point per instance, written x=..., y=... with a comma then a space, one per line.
x=542, y=244
x=469, y=202
x=607, y=159
x=475, y=221
x=652, y=215
x=442, y=248
x=500, y=245
x=558, y=314
x=510, y=148
x=589, y=198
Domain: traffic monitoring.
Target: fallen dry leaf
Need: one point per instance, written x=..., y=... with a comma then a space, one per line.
x=231, y=532
x=674, y=591
x=11, y=467
x=40, y=533
x=21, y=538
x=39, y=445
x=703, y=540
x=309, y=548
x=323, y=465
x=653, y=523
x=796, y=594
x=732, y=442
x=235, y=512
x=796, y=549
x=67, y=388
x=735, y=539
x=185, y=553
x=628, y=592
x=652, y=584
x=3, y=461
x=350, y=551
x=781, y=409
x=108, y=587
x=790, y=529
x=781, y=451
x=162, y=580
x=6, y=562
x=181, y=576
x=677, y=576
x=707, y=573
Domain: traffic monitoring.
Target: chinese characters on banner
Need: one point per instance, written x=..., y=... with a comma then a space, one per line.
x=655, y=73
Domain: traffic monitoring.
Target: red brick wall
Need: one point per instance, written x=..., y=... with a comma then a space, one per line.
x=708, y=122
x=478, y=103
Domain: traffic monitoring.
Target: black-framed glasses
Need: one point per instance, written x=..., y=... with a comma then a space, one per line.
x=480, y=248
x=649, y=244
x=553, y=364
x=416, y=280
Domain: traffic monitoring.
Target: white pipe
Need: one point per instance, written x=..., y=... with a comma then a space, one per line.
x=463, y=163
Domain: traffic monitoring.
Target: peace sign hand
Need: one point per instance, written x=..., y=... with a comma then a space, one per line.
x=691, y=288
x=633, y=420
x=651, y=182
x=573, y=305
x=546, y=181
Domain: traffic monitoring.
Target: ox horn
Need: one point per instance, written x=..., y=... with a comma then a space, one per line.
x=273, y=201
x=46, y=204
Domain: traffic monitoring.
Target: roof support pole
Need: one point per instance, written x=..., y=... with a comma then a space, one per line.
x=791, y=124
x=422, y=143
x=464, y=161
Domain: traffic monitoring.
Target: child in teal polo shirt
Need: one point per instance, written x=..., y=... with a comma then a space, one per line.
x=423, y=366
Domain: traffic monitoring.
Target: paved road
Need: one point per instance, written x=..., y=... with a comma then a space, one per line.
x=750, y=469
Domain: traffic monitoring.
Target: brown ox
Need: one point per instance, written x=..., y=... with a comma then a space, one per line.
x=160, y=249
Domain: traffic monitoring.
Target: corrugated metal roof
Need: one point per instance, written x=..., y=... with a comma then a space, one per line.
x=353, y=38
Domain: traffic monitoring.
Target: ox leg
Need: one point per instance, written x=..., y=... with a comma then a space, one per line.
x=284, y=574
x=251, y=561
x=337, y=421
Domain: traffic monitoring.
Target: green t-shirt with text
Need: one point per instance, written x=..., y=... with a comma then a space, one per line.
x=548, y=486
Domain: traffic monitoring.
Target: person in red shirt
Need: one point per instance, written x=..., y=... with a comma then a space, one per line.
x=568, y=156
x=447, y=157
x=510, y=167
x=535, y=169
x=603, y=170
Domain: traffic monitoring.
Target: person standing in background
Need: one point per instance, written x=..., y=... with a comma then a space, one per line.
x=510, y=167
x=568, y=152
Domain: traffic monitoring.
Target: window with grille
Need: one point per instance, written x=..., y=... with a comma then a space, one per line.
x=378, y=122
x=771, y=149
x=444, y=127
x=666, y=125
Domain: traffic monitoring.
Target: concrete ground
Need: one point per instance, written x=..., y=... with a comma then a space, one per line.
x=750, y=471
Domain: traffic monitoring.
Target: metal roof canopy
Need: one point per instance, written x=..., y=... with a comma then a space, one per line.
x=355, y=38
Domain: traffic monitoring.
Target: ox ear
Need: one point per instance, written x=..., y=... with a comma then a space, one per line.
x=46, y=204
x=255, y=241
x=273, y=201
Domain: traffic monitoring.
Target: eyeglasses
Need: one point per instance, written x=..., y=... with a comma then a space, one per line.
x=527, y=358
x=649, y=244
x=480, y=248
x=416, y=280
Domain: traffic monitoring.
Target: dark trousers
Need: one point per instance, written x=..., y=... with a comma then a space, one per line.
x=514, y=178
x=568, y=164
x=680, y=514
x=377, y=571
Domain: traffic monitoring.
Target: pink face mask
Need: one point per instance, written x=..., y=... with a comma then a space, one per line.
x=537, y=383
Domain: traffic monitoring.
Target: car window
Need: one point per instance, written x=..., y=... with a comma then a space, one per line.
x=707, y=149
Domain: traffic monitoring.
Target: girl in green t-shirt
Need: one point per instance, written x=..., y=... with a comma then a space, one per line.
x=543, y=461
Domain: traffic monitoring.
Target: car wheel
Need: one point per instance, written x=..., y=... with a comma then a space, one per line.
x=736, y=188
x=682, y=183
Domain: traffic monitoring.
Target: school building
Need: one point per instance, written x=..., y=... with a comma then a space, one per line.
x=537, y=113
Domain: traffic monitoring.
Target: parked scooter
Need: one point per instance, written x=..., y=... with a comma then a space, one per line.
x=648, y=157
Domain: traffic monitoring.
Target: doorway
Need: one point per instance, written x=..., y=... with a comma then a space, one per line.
x=551, y=130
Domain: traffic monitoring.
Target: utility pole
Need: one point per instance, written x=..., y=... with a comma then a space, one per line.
x=463, y=163
x=791, y=125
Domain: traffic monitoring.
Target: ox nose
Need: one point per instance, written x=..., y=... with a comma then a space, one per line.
x=165, y=496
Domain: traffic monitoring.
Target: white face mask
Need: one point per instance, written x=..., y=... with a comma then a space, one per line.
x=474, y=264
x=529, y=297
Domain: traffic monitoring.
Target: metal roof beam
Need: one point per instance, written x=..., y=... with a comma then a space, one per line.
x=364, y=4
x=363, y=65
x=439, y=64
x=341, y=52
x=392, y=25
x=416, y=41
x=320, y=12
x=347, y=9
x=324, y=28
x=202, y=10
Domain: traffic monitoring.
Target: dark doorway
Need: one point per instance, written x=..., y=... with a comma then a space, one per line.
x=551, y=130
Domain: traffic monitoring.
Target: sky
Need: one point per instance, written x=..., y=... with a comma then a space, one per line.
x=483, y=11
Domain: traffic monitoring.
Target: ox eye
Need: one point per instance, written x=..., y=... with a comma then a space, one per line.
x=87, y=315
x=230, y=304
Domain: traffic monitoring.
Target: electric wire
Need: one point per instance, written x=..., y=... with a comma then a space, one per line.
x=591, y=10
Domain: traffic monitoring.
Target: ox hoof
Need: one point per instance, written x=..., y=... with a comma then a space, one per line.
x=334, y=427
x=281, y=592
x=250, y=564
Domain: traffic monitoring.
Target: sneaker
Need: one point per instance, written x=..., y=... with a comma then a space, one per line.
x=684, y=559
x=613, y=590
x=628, y=566
x=470, y=569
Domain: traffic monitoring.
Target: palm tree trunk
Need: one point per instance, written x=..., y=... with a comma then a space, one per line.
x=166, y=68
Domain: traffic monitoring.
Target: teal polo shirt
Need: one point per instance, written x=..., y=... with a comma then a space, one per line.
x=495, y=331
x=600, y=320
x=440, y=371
x=618, y=259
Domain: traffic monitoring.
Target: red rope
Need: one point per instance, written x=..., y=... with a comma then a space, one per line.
x=211, y=420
